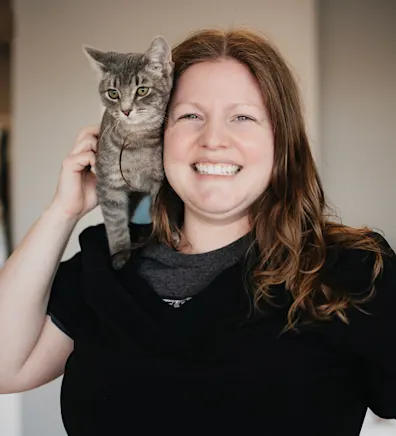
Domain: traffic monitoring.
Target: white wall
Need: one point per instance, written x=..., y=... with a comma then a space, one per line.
x=358, y=116
x=10, y=415
x=54, y=94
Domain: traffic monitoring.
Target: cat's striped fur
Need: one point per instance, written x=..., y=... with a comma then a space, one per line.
x=131, y=126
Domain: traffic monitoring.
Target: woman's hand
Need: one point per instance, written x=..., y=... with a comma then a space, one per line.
x=76, y=191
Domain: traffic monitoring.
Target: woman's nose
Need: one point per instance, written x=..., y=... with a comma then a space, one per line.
x=214, y=135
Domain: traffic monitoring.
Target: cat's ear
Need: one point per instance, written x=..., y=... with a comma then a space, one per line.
x=103, y=62
x=159, y=54
x=96, y=58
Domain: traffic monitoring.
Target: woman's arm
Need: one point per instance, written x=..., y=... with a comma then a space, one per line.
x=32, y=350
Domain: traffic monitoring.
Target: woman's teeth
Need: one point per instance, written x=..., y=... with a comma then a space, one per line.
x=217, y=169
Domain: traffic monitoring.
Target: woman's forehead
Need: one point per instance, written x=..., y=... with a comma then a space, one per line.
x=226, y=80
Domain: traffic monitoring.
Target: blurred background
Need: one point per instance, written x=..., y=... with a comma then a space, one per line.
x=342, y=52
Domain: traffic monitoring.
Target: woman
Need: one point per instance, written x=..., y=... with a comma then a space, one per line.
x=248, y=308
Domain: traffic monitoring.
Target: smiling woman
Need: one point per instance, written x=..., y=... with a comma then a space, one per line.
x=218, y=150
x=244, y=308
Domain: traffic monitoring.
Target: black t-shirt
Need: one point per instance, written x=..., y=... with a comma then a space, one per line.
x=140, y=366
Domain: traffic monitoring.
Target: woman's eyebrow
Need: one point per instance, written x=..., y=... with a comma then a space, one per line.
x=260, y=107
x=228, y=106
x=188, y=103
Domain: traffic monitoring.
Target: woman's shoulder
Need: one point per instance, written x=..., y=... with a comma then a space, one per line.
x=351, y=268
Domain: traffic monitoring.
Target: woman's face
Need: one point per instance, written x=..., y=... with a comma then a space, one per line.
x=218, y=145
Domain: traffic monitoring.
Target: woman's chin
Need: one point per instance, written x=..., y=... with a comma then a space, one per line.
x=216, y=210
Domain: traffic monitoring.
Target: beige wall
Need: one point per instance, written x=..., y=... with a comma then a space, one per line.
x=54, y=94
x=358, y=116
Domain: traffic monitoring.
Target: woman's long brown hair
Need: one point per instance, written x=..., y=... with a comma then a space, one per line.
x=289, y=220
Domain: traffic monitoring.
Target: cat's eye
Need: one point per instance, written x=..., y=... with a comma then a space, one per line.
x=142, y=91
x=112, y=93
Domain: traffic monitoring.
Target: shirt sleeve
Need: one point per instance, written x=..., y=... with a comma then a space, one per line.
x=65, y=304
x=372, y=339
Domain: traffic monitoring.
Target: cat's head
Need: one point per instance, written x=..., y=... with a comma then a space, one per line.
x=135, y=87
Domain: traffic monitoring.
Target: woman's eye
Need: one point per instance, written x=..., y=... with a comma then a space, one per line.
x=112, y=93
x=244, y=118
x=188, y=117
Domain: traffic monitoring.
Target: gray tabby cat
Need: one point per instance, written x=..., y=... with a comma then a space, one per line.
x=135, y=90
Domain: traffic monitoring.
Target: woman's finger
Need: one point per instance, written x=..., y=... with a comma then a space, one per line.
x=77, y=162
x=89, y=130
x=87, y=143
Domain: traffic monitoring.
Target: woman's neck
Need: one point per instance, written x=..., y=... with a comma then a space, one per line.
x=200, y=236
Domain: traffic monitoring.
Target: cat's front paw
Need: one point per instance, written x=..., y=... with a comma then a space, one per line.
x=118, y=260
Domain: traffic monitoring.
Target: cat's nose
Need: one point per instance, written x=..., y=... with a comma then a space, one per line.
x=126, y=113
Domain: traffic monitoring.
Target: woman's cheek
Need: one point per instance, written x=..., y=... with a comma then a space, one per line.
x=178, y=138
